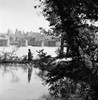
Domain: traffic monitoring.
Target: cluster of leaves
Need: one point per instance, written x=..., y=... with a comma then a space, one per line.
x=71, y=17
x=11, y=56
x=56, y=75
x=63, y=76
x=8, y=55
x=44, y=60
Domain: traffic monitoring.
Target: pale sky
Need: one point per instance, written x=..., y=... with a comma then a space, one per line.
x=20, y=14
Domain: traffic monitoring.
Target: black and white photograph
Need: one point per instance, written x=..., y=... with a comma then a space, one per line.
x=48, y=49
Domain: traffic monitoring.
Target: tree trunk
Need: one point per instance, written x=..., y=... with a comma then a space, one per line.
x=62, y=46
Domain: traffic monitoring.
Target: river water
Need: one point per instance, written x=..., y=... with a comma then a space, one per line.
x=20, y=82
x=21, y=51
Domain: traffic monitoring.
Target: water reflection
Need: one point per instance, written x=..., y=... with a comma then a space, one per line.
x=20, y=82
x=29, y=72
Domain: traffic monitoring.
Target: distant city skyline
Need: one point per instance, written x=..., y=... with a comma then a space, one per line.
x=20, y=14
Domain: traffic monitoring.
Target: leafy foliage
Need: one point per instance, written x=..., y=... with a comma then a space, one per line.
x=44, y=59
x=70, y=18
